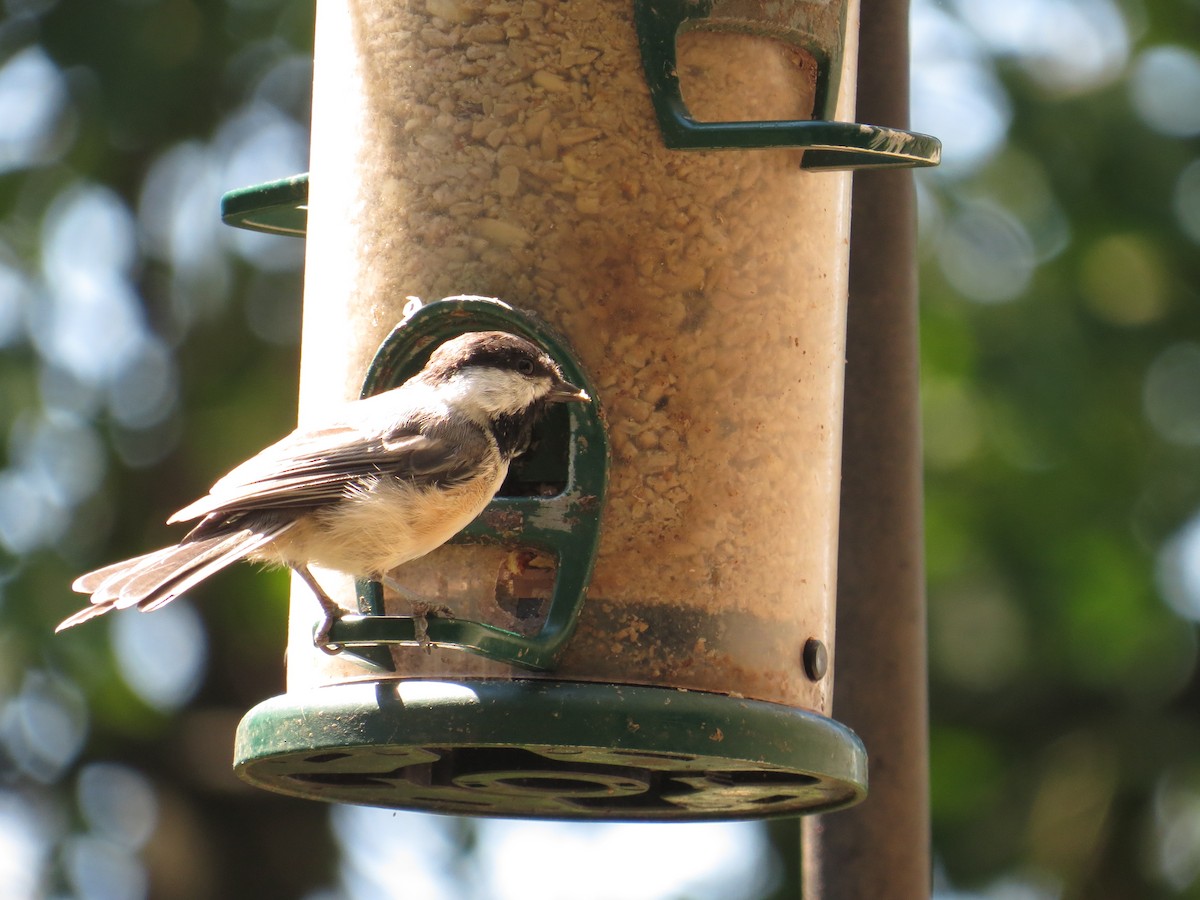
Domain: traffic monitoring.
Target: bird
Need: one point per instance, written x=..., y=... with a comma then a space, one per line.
x=382, y=481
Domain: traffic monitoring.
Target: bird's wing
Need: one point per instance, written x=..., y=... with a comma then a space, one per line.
x=315, y=467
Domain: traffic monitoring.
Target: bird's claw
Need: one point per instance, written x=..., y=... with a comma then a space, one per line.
x=323, y=631
x=422, y=613
x=421, y=632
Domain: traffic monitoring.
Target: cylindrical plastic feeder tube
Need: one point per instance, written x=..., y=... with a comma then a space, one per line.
x=508, y=148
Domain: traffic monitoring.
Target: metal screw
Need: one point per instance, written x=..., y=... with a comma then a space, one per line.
x=816, y=659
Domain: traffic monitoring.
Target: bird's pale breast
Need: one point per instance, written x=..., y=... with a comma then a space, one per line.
x=386, y=524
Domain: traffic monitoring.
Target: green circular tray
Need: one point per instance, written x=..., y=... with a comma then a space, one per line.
x=548, y=749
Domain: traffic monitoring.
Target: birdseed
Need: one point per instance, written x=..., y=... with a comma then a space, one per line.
x=508, y=148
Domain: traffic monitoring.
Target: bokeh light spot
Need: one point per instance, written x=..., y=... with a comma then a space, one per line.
x=1170, y=397
x=42, y=728
x=701, y=861
x=1178, y=570
x=1176, y=826
x=955, y=92
x=34, y=125
x=1066, y=46
x=100, y=869
x=1123, y=280
x=26, y=834
x=117, y=802
x=90, y=322
x=1165, y=88
x=161, y=655
x=986, y=254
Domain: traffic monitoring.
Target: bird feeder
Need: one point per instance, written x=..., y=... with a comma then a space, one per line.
x=640, y=626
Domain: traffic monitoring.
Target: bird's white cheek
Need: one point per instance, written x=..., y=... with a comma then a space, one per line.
x=491, y=392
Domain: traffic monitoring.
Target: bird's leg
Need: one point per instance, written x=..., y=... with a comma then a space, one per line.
x=332, y=611
x=422, y=610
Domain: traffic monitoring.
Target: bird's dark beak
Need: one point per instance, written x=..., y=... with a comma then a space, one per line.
x=565, y=392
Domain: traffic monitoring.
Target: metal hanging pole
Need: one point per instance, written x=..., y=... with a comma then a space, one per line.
x=880, y=850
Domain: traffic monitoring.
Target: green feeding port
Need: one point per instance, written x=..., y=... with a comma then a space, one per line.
x=551, y=501
x=818, y=29
x=277, y=207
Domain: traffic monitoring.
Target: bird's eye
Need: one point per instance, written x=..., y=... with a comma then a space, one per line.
x=525, y=366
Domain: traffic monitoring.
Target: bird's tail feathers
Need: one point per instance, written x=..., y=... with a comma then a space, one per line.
x=150, y=581
x=224, y=553
x=89, y=583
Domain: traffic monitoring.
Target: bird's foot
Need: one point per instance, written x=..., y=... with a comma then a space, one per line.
x=324, y=630
x=330, y=613
x=422, y=612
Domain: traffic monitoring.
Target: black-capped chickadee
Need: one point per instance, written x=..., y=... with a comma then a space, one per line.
x=390, y=478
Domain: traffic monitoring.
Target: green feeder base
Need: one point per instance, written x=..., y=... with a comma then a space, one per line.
x=554, y=750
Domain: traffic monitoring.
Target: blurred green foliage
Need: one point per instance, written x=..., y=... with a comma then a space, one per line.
x=1064, y=689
